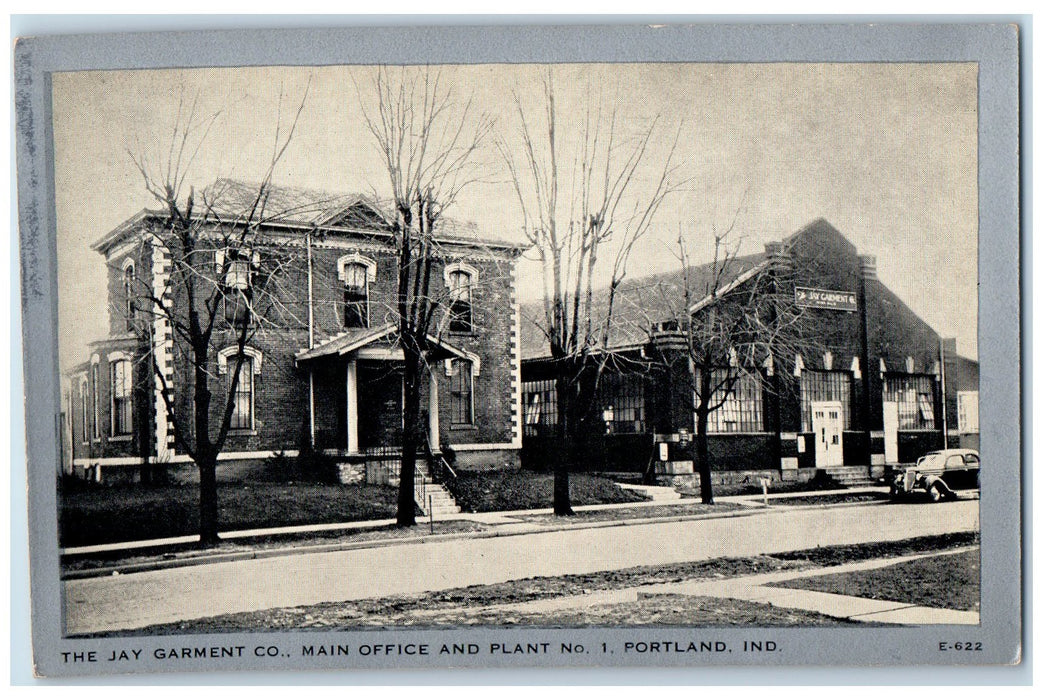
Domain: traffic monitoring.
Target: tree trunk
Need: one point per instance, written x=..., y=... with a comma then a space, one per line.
x=208, y=500
x=566, y=443
x=700, y=443
x=702, y=457
x=413, y=371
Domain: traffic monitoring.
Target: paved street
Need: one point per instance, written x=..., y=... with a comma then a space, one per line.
x=162, y=596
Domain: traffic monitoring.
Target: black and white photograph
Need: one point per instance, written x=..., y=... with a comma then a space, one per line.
x=459, y=352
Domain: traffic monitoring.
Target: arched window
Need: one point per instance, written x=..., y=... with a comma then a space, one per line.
x=243, y=401
x=84, y=412
x=243, y=407
x=356, y=295
x=460, y=278
x=128, y=293
x=122, y=382
x=236, y=267
x=461, y=393
x=95, y=391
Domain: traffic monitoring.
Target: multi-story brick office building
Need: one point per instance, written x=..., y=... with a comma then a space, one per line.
x=323, y=368
x=875, y=384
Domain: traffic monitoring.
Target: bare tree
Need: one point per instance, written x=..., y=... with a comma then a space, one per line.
x=580, y=222
x=735, y=324
x=429, y=141
x=225, y=285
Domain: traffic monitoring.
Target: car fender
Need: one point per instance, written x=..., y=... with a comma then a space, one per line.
x=932, y=481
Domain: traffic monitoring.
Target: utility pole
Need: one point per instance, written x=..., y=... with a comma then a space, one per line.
x=868, y=269
x=945, y=417
x=311, y=343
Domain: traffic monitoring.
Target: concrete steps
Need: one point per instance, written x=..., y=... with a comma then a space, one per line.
x=850, y=476
x=653, y=493
x=440, y=501
x=436, y=497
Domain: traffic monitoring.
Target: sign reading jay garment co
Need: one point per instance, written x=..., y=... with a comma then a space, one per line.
x=825, y=299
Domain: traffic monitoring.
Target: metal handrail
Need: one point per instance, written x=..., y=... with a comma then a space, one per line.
x=447, y=466
x=419, y=486
x=443, y=464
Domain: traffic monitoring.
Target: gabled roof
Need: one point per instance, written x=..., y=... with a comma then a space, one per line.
x=349, y=341
x=237, y=199
x=641, y=302
x=299, y=207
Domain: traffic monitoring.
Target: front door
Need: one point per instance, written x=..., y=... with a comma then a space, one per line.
x=379, y=404
x=828, y=427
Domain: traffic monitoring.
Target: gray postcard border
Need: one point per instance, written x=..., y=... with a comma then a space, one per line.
x=994, y=47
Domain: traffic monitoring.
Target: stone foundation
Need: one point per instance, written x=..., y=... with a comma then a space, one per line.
x=351, y=473
x=736, y=477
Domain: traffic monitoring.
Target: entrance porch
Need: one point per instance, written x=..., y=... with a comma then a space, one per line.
x=356, y=396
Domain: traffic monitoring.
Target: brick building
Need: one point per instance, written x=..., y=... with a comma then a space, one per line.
x=324, y=369
x=869, y=389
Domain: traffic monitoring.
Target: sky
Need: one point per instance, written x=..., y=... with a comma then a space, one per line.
x=887, y=153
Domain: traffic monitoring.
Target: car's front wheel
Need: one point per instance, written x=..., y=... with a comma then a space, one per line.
x=936, y=493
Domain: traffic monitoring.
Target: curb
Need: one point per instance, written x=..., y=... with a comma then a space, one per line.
x=160, y=564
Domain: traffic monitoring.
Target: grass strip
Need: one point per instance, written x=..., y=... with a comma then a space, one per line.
x=396, y=611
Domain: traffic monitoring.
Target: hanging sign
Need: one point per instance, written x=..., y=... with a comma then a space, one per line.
x=825, y=299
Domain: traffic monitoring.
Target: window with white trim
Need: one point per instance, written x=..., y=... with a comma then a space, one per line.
x=238, y=284
x=461, y=393
x=84, y=412
x=356, y=295
x=122, y=384
x=914, y=394
x=128, y=293
x=460, y=283
x=94, y=403
x=967, y=411
x=243, y=399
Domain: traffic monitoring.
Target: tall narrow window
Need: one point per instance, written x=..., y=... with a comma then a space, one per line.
x=84, y=409
x=356, y=295
x=122, y=397
x=461, y=394
x=238, y=290
x=967, y=411
x=460, y=282
x=94, y=402
x=128, y=294
x=243, y=400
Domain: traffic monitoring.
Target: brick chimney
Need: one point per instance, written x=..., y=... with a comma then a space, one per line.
x=868, y=266
x=778, y=256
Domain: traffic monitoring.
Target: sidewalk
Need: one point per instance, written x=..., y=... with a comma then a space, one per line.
x=757, y=589
x=498, y=522
x=303, y=576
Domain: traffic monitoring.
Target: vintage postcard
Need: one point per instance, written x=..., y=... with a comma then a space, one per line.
x=683, y=355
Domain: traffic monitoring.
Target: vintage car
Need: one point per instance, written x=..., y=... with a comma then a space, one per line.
x=938, y=474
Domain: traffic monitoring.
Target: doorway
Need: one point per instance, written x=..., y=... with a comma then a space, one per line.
x=379, y=404
x=828, y=426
